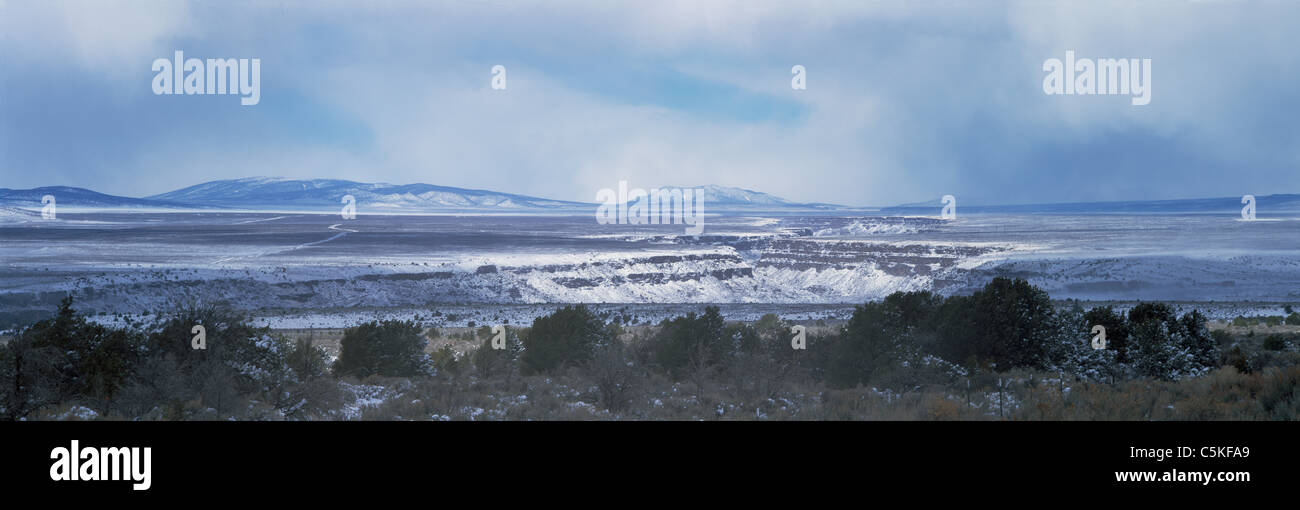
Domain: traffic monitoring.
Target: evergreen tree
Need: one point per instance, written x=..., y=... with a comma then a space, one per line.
x=389, y=348
x=1198, y=340
x=864, y=348
x=1151, y=352
x=690, y=345
x=567, y=337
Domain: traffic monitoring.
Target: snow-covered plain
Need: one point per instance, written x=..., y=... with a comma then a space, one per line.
x=304, y=270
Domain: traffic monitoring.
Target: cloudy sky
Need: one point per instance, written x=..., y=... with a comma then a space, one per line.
x=905, y=102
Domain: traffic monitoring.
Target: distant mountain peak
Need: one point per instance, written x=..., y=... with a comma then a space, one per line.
x=278, y=193
x=724, y=194
x=730, y=196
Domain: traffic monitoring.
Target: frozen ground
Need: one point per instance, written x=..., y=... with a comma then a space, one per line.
x=298, y=270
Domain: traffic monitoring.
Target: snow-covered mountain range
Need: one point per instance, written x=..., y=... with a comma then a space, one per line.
x=325, y=195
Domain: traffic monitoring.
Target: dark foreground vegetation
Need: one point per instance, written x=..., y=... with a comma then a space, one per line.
x=1002, y=353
